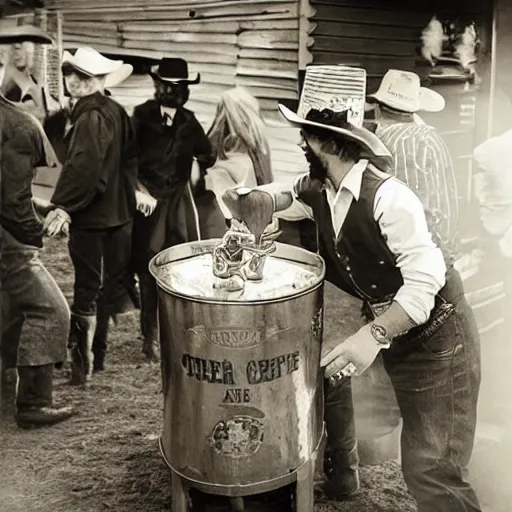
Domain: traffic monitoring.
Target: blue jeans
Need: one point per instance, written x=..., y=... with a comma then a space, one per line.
x=436, y=386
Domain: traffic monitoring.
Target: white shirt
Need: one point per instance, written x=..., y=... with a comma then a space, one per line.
x=401, y=218
x=168, y=114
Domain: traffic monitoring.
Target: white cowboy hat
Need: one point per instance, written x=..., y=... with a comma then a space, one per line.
x=91, y=63
x=402, y=90
x=371, y=144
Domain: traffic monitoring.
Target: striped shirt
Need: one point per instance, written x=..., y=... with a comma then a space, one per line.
x=422, y=161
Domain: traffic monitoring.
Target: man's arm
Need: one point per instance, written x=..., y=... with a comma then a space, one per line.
x=402, y=221
x=203, y=152
x=83, y=176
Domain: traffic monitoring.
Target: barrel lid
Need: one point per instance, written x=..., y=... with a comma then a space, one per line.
x=185, y=270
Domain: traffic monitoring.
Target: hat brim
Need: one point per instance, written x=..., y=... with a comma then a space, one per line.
x=371, y=144
x=113, y=68
x=155, y=76
x=119, y=76
x=429, y=101
x=23, y=33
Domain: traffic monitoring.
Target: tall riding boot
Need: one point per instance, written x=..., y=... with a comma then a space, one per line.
x=80, y=342
x=99, y=344
x=148, y=315
x=34, y=401
x=342, y=471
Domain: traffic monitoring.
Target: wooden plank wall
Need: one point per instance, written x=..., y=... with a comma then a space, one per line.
x=250, y=43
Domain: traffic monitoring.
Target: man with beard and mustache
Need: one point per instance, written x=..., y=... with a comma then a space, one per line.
x=95, y=197
x=373, y=234
x=169, y=138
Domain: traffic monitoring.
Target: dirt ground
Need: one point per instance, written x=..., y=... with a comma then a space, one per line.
x=107, y=458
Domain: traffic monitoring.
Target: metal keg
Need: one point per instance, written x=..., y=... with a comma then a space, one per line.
x=242, y=383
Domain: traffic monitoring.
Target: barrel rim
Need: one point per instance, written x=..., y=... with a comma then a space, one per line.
x=280, y=247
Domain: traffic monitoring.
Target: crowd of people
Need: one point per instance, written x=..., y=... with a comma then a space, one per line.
x=381, y=198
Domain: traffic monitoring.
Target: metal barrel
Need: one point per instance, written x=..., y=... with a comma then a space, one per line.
x=243, y=393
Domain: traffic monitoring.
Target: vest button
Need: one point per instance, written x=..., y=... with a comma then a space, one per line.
x=382, y=262
x=373, y=286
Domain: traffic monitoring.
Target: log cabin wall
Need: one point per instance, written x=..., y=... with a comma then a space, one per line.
x=250, y=43
x=380, y=35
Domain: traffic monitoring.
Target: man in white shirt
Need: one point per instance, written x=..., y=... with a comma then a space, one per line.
x=373, y=235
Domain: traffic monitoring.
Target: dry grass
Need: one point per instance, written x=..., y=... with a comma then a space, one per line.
x=107, y=458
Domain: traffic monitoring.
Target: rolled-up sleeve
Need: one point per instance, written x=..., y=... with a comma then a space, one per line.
x=83, y=175
x=402, y=221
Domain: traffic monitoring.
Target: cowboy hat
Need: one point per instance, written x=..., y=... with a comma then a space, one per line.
x=112, y=79
x=370, y=143
x=173, y=70
x=402, y=90
x=21, y=33
x=90, y=62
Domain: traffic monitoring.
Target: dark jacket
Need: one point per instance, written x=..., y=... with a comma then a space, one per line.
x=167, y=152
x=97, y=183
x=23, y=149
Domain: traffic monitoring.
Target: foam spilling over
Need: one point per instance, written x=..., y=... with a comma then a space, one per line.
x=193, y=277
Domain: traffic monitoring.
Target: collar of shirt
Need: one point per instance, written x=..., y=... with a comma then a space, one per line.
x=168, y=115
x=341, y=199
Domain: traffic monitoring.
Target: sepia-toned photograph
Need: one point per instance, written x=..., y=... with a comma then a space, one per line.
x=255, y=255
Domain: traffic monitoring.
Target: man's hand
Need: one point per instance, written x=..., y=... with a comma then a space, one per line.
x=360, y=349
x=146, y=203
x=57, y=223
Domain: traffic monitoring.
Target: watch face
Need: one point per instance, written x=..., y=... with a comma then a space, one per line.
x=380, y=334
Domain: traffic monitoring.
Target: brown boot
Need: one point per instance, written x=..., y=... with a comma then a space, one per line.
x=80, y=342
x=34, y=401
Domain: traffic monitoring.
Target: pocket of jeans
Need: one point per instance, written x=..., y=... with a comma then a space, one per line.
x=444, y=342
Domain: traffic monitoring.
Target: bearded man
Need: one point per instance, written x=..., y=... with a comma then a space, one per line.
x=169, y=138
x=374, y=237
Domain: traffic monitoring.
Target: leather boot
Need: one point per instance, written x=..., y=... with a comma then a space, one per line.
x=80, y=342
x=148, y=316
x=8, y=386
x=34, y=401
x=341, y=470
x=99, y=344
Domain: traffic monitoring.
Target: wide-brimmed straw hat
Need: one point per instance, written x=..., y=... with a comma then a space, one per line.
x=21, y=33
x=402, y=90
x=371, y=144
x=173, y=70
x=90, y=62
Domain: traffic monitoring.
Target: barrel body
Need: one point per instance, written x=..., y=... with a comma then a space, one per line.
x=242, y=382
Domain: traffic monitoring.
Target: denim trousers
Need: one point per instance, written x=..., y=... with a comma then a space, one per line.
x=436, y=387
x=101, y=259
x=35, y=313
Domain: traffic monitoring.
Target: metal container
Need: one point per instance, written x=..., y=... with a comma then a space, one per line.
x=242, y=380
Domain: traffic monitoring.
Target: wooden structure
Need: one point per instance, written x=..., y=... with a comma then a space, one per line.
x=257, y=44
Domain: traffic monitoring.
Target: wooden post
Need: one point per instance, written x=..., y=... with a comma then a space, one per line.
x=306, y=12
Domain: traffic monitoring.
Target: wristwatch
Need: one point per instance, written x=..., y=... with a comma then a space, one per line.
x=381, y=336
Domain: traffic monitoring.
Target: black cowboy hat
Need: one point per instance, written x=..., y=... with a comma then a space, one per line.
x=173, y=70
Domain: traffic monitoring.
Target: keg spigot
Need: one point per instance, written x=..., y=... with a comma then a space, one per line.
x=238, y=258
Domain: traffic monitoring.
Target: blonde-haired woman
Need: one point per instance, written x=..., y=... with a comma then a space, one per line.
x=242, y=152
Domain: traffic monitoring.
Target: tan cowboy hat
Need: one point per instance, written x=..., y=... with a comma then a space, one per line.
x=90, y=62
x=370, y=143
x=21, y=33
x=402, y=90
